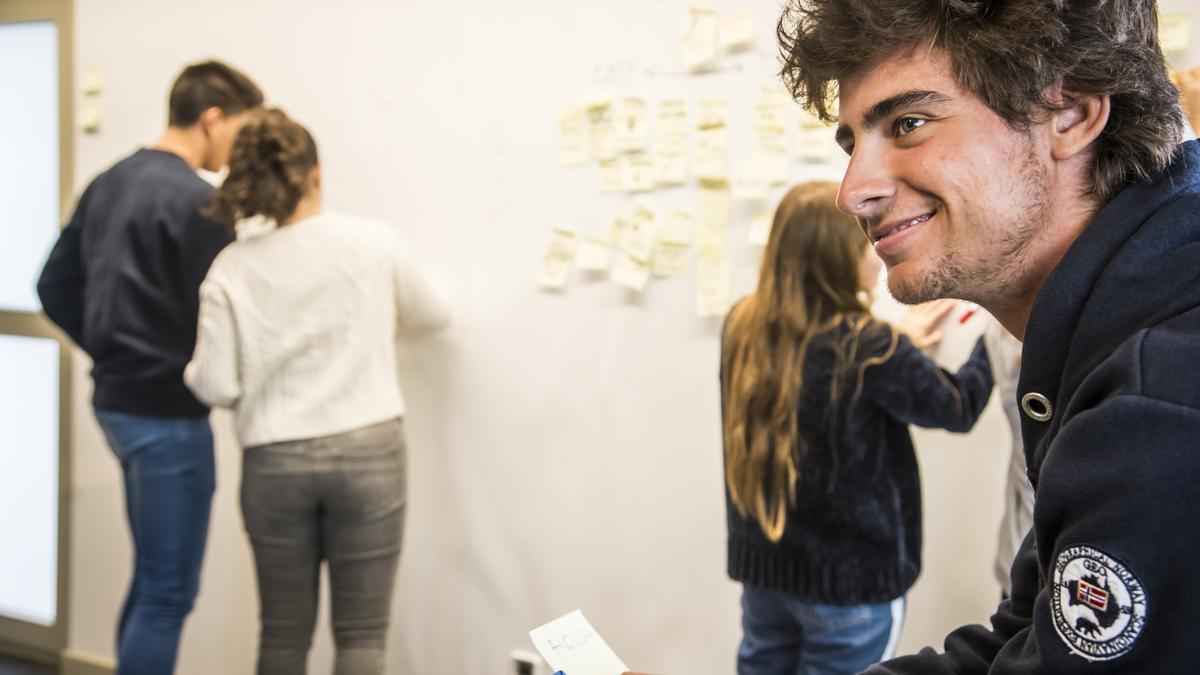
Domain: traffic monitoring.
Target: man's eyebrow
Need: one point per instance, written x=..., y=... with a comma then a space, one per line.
x=887, y=107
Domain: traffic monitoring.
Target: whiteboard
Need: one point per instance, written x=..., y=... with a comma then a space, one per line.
x=565, y=447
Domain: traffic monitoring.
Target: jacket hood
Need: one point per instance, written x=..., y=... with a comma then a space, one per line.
x=1136, y=265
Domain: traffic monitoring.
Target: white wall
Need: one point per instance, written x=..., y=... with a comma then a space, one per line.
x=565, y=448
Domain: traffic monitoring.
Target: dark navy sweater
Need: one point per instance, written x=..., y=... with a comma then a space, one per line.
x=123, y=281
x=1107, y=580
x=854, y=533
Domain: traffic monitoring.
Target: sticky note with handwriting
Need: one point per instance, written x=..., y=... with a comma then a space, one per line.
x=571, y=645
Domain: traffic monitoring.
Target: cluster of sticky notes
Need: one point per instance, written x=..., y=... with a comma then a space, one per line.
x=616, y=134
x=640, y=146
x=708, y=35
x=570, y=644
x=649, y=243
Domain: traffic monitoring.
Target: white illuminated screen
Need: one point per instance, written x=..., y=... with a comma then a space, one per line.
x=29, y=479
x=29, y=217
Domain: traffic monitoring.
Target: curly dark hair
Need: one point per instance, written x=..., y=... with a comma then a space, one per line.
x=269, y=166
x=1010, y=54
x=210, y=84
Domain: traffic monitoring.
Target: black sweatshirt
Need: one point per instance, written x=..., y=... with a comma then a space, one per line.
x=123, y=281
x=1106, y=582
x=854, y=533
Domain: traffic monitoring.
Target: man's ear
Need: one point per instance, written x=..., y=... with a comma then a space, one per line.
x=1074, y=128
x=209, y=119
x=314, y=180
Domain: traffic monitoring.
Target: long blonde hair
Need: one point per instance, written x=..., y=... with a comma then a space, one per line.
x=808, y=282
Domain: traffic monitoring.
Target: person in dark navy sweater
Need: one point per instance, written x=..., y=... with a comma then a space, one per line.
x=123, y=281
x=1026, y=155
x=822, y=489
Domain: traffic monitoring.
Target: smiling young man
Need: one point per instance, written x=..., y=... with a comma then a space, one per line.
x=1025, y=155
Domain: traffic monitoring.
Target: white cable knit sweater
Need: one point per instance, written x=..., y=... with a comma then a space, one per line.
x=297, y=328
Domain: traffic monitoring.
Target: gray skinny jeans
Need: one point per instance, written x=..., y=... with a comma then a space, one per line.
x=339, y=499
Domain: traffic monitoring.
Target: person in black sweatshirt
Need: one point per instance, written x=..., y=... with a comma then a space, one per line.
x=123, y=282
x=1026, y=155
x=822, y=489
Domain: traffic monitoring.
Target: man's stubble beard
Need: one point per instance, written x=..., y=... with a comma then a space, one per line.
x=1000, y=272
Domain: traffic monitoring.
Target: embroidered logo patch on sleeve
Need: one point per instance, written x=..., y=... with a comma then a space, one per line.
x=1099, y=606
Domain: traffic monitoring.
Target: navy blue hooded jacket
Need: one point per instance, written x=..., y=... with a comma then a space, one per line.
x=1108, y=581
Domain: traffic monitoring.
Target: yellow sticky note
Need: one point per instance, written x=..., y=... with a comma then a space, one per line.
x=712, y=143
x=553, y=273
x=562, y=242
x=642, y=232
x=678, y=226
x=736, y=32
x=89, y=117
x=670, y=168
x=713, y=208
x=700, y=39
x=555, y=267
x=1175, y=31
x=93, y=81
x=714, y=281
x=712, y=154
x=630, y=125
x=632, y=273
x=714, y=112
x=815, y=140
x=637, y=172
x=601, y=132
x=594, y=254
x=574, y=146
x=670, y=149
x=670, y=259
x=611, y=177
x=750, y=181
x=773, y=108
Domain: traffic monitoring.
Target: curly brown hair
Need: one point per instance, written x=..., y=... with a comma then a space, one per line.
x=1011, y=54
x=269, y=168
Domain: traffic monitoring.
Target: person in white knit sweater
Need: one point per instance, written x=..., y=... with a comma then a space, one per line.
x=297, y=334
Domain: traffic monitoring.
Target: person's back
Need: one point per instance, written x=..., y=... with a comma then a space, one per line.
x=315, y=310
x=123, y=282
x=145, y=248
x=822, y=488
x=298, y=327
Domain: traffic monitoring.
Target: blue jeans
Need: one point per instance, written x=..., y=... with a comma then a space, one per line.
x=784, y=636
x=169, y=483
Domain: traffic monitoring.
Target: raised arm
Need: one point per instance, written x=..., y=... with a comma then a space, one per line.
x=420, y=305
x=913, y=389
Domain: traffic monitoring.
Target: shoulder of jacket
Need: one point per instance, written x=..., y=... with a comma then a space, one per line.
x=1168, y=357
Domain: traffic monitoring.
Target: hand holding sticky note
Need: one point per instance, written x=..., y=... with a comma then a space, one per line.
x=571, y=645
